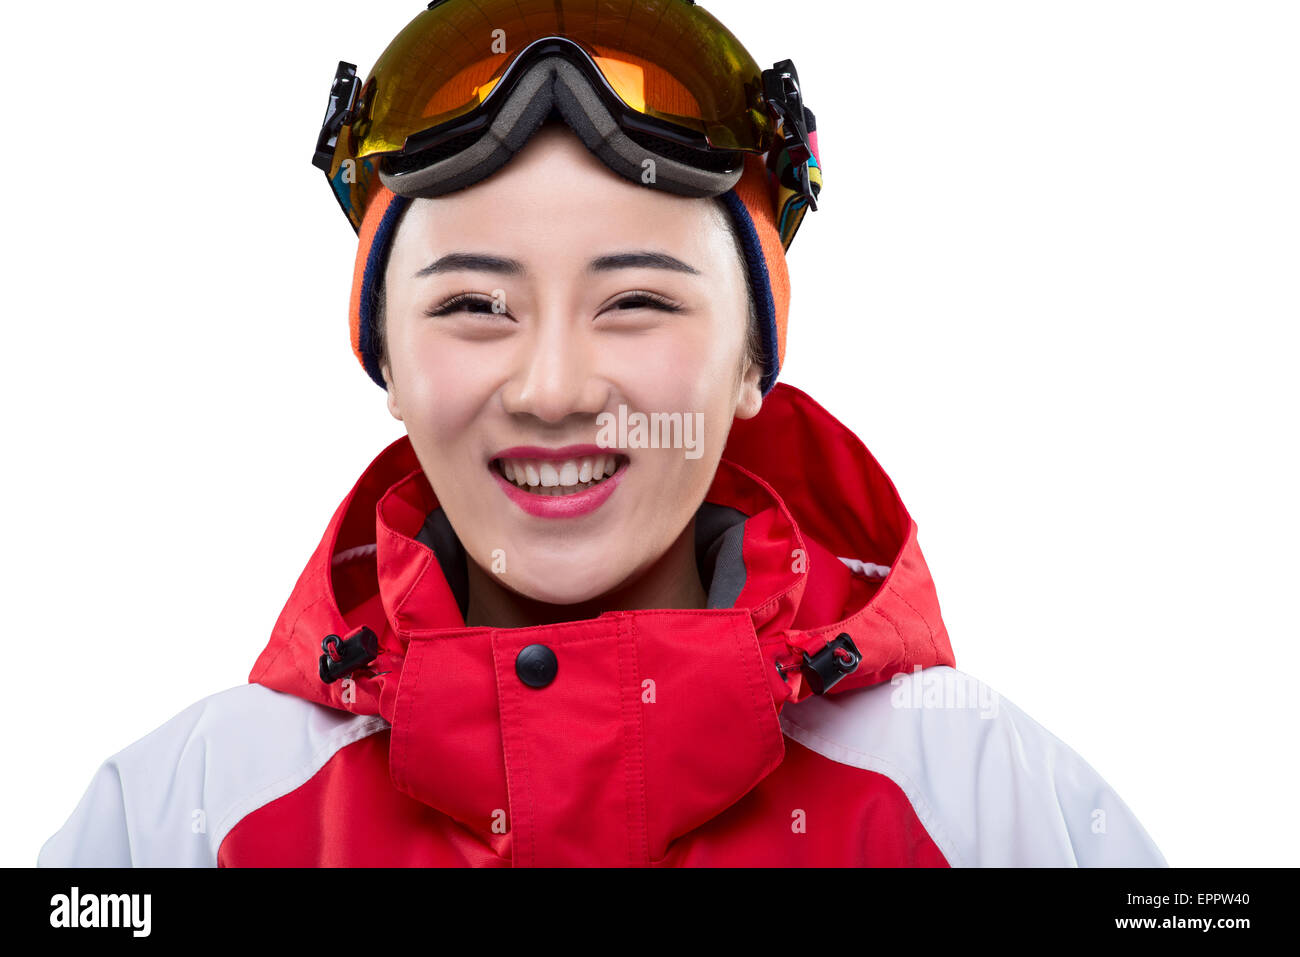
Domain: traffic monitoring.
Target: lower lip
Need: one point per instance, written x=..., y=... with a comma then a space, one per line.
x=561, y=506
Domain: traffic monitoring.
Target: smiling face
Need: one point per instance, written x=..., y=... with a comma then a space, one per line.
x=522, y=310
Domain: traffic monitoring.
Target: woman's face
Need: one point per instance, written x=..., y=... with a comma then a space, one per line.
x=535, y=307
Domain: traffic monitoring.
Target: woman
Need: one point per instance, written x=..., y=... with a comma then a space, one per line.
x=617, y=597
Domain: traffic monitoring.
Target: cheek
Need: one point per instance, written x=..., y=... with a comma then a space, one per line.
x=440, y=372
x=688, y=365
x=441, y=397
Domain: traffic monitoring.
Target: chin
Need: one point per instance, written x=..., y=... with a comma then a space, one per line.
x=560, y=585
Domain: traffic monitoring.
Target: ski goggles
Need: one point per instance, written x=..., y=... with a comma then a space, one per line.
x=659, y=89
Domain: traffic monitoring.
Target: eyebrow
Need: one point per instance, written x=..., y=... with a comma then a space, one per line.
x=482, y=262
x=640, y=260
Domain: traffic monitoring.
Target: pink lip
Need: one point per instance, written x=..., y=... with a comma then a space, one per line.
x=552, y=455
x=558, y=506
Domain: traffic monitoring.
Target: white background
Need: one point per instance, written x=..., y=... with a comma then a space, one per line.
x=1053, y=286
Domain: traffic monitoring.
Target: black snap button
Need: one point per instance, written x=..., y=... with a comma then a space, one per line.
x=536, y=666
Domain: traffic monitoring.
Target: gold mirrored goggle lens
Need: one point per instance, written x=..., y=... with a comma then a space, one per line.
x=668, y=60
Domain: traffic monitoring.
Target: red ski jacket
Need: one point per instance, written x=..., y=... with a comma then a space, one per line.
x=724, y=736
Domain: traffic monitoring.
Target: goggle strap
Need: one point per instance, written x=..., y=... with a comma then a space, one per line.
x=795, y=184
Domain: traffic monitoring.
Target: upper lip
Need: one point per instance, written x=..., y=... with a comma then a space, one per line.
x=560, y=454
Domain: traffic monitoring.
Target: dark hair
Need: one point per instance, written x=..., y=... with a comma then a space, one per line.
x=753, y=340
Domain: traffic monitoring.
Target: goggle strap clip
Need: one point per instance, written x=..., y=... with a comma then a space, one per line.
x=339, y=113
x=781, y=87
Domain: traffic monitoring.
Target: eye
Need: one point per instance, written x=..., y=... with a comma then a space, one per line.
x=469, y=302
x=641, y=299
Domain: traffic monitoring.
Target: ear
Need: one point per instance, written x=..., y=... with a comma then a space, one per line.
x=393, y=408
x=750, y=397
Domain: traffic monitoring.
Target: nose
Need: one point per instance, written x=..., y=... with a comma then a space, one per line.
x=556, y=375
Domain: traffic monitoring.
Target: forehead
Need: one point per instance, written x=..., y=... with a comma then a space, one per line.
x=554, y=203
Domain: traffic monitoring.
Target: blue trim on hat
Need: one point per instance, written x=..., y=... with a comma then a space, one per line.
x=761, y=284
x=376, y=262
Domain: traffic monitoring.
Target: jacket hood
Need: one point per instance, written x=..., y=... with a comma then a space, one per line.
x=802, y=538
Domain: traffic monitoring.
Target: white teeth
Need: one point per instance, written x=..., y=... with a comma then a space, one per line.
x=558, y=478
